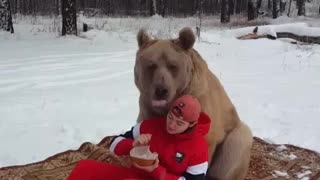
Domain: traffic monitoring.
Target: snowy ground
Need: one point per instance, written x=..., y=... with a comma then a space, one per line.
x=58, y=92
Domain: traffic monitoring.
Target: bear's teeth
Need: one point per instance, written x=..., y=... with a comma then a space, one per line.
x=159, y=103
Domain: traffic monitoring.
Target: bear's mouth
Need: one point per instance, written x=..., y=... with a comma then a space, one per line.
x=160, y=107
x=159, y=103
x=160, y=97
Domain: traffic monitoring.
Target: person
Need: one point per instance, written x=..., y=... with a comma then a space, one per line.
x=178, y=138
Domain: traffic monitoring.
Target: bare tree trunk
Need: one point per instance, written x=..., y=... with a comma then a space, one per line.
x=107, y=8
x=217, y=7
x=195, y=7
x=200, y=13
x=160, y=9
x=283, y=4
x=30, y=7
x=252, y=10
x=5, y=16
x=34, y=8
x=290, y=3
x=18, y=6
x=244, y=6
x=231, y=7
x=82, y=5
x=301, y=7
x=276, y=9
x=25, y=7
x=269, y=4
x=57, y=7
x=163, y=7
x=259, y=3
x=238, y=6
x=153, y=7
x=69, y=17
x=225, y=12
x=128, y=8
x=14, y=7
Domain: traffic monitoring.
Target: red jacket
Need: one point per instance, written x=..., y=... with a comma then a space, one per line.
x=182, y=156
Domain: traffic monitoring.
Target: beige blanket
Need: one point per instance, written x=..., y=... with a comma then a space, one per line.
x=266, y=160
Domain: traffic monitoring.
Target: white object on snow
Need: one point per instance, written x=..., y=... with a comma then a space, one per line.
x=300, y=29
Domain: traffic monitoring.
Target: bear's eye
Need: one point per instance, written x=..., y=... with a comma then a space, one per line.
x=152, y=67
x=172, y=67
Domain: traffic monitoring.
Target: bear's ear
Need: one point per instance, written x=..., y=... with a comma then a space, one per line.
x=142, y=37
x=186, y=38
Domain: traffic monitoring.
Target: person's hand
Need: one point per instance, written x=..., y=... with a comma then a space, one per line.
x=147, y=168
x=142, y=140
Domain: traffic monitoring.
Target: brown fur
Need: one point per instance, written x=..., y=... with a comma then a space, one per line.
x=186, y=38
x=175, y=65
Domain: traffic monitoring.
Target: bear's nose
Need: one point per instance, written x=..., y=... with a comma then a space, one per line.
x=161, y=93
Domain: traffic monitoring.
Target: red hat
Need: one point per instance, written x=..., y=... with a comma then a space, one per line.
x=187, y=107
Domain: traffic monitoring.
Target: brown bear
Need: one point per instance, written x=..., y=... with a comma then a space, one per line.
x=167, y=68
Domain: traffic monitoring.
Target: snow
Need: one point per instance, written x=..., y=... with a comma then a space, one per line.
x=58, y=92
x=281, y=148
x=302, y=175
x=282, y=153
x=280, y=173
x=292, y=157
x=305, y=167
x=305, y=178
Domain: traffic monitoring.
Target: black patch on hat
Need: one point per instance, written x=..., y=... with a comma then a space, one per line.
x=177, y=111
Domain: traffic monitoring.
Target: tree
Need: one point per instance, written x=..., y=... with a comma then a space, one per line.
x=259, y=3
x=69, y=17
x=128, y=7
x=289, y=10
x=269, y=4
x=82, y=4
x=301, y=4
x=238, y=6
x=200, y=13
x=252, y=10
x=163, y=7
x=283, y=4
x=276, y=9
x=216, y=6
x=225, y=12
x=231, y=6
x=153, y=7
x=5, y=16
x=58, y=5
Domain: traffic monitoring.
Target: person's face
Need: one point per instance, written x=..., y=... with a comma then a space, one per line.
x=176, y=125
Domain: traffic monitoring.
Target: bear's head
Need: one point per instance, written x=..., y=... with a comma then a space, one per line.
x=163, y=68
